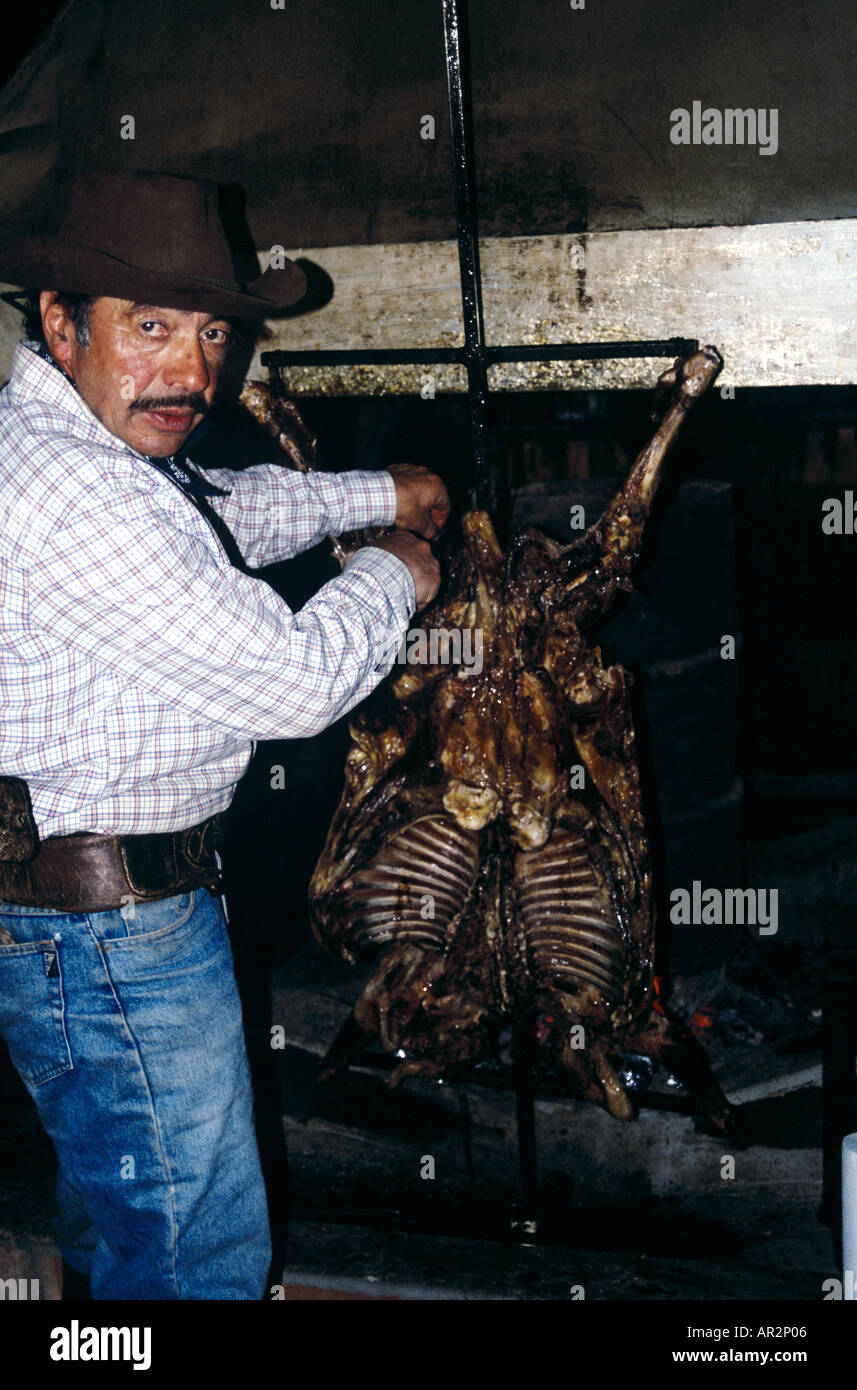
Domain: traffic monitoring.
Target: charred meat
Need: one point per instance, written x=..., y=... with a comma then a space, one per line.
x=490, y=840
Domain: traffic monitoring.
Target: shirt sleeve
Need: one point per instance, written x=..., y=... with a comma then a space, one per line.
x=157, y=606
x=274, y=512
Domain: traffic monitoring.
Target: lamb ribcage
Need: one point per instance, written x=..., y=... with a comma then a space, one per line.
x=415, y=886
x=565, y=911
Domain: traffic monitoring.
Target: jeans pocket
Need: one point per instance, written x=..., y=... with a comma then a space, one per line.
x=149, y=922
x=32, y=1010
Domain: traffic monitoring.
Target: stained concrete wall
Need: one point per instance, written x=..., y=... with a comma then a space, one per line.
x=778, y=301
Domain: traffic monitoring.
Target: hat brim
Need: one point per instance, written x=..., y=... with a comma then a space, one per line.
x=44, y=262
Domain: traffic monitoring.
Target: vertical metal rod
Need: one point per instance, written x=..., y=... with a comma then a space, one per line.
x=849, y=1217
x=457, y=50
x=530, y=1217
x=527, y=1158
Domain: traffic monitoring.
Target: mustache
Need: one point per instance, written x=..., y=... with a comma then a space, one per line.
x=195, y=401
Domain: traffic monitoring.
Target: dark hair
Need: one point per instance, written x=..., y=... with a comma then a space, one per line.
x=77, y=306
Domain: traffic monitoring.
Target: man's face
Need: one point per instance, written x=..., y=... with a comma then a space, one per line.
x=149, y=374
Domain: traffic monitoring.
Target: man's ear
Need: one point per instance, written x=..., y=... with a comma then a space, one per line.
x=58, y=329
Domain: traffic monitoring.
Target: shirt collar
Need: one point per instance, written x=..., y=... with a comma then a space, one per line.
x=46, y=356
x=35, y=372
x=36, y=376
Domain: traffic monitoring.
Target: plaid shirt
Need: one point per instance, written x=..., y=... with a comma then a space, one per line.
x=138, y=666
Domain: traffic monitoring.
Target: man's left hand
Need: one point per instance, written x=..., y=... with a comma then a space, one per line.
x=423, y=504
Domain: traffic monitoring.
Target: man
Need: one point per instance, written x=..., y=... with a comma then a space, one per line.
x=139, y=667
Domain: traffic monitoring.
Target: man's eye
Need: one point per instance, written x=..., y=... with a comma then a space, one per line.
x=217, y=335
x=148, y=325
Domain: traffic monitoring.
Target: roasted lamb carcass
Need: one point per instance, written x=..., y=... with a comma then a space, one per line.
x=490, y=837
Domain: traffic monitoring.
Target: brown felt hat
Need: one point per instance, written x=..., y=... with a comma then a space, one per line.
x=154, y=238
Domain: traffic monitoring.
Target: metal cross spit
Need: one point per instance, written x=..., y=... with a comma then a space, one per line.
x=476, y=355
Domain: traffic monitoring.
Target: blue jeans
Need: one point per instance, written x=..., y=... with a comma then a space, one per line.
x=125, y=1027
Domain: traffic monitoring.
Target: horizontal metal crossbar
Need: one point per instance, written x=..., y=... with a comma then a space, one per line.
x=515, y=352
x=507, y=1078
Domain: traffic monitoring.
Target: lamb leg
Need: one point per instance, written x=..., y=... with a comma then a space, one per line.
x=588, y=573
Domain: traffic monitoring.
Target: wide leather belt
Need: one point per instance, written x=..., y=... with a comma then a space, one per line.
x=94, y=873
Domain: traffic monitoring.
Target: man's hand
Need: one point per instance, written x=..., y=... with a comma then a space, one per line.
x=423, y=502
x=417, y=555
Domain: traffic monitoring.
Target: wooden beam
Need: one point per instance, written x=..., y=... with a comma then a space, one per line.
x=777, y=300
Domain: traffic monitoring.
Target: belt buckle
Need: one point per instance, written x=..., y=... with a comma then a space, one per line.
x=197, y=844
